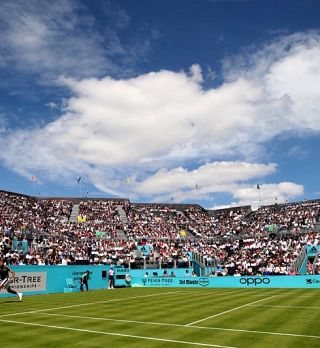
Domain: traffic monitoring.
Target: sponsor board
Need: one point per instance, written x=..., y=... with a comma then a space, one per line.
x=28, y=281
x=203, y=282
x=312, y=250
x=312, y=281
x=121, y=270
x=254, y=281
x=76, y=276
x=189, y=254
x=20, y=246
x=144, y=249
x=166, y=281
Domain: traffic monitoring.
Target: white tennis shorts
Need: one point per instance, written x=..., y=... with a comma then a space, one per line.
x=5, y=283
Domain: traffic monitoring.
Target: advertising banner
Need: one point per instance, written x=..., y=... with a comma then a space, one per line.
x=54, y=279
x=144, y=249
x=20, y=245
x=189, y=254
x=230, y=282
x=312, y=250
x=28, y=281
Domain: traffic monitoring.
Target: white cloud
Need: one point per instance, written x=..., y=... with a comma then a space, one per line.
x=156, y=125
x=3, y=123
x=211, y=74
x=53, y=38
x=288, y=73
x=268, y=193
x=212, y=177
x=52, y=105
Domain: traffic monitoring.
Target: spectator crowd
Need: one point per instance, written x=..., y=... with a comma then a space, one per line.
x=233, y=241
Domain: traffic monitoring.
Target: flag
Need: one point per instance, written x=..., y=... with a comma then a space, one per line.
x=79, y=180
x=33, y=178
x=183, y=233
x=258, y=187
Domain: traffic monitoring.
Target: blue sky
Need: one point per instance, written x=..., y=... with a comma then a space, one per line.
x=192, y=101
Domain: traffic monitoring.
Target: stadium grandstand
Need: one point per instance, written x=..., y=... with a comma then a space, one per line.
x=227, y=242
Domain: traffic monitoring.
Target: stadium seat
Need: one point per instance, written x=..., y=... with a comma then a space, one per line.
x=70, y=287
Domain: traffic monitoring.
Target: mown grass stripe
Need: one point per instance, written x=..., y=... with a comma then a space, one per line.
x=117, y=334
x=228, y=311
x=165, y=316
x=181, y=326
x=292, y=307
x=89, y=303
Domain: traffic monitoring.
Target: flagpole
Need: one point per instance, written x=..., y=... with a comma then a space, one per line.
x=258, y=188
x=80, y=185
x=33, y=179
x=260, y=197
x=127, y=182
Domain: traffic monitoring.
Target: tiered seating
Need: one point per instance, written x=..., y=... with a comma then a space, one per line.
x=154, y=222
x=236, y=240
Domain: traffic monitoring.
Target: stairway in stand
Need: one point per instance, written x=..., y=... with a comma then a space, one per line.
x=74, y=213
x=124, y=220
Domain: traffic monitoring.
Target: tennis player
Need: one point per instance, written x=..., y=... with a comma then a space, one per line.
x=5, y=273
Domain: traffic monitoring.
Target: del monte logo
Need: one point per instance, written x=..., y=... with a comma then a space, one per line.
x=203, y=282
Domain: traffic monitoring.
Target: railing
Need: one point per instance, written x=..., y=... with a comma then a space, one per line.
x=202, y=266
x=300, y=260
x=315, y=262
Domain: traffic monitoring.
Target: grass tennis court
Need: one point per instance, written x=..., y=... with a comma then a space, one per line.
x=164, y=317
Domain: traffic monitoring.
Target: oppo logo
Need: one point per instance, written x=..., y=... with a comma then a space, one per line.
x=254, y=281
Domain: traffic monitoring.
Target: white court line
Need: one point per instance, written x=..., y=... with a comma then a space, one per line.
x=229, y=310
x=116, y=334
x=187, y=327
x=91, y=303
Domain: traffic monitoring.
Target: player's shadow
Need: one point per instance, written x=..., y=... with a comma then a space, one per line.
x=11, y=301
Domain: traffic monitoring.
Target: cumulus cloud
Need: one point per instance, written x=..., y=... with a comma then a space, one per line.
x=211, y=177
x=288, y=72
x=180, y=184
x=268, y=194
x=156, y=125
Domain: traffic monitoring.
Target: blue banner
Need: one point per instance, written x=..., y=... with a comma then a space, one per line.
x=312, y=250
x=20, y=245
x=122, y=274
x=144, y=249
x=55, y=279
x=230, y=282
x=189, y=254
